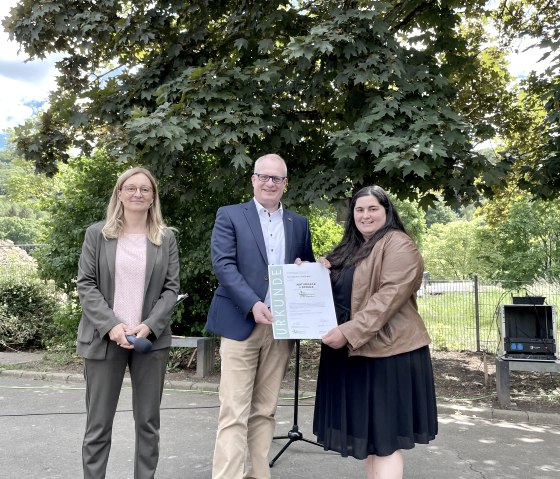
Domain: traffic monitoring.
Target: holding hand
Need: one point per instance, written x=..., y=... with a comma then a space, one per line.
x=335, y=339
x=118, y=334
x=261, y=313
x=140, y=331
x=324, y=261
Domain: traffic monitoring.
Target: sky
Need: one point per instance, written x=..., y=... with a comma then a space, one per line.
x=25, y=86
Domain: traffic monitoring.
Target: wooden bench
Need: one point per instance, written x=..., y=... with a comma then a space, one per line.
x=504, y=366
x=205, y=349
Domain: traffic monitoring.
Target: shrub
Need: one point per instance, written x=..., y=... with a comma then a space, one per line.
x=65, y=320
x=27, y=308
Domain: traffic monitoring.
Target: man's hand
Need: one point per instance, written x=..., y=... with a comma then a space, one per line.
x=261, y=313
x=335, y=339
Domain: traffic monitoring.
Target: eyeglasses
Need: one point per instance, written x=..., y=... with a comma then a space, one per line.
x=131, y=189
x=275, y=179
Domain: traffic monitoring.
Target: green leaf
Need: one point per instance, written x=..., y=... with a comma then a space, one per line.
x=241, y=43
x=345, y=152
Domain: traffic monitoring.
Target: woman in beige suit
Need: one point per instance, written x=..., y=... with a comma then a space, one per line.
x=375, y=389
x=128, y=282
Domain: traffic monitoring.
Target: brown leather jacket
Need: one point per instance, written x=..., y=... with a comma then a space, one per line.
x=384, y=317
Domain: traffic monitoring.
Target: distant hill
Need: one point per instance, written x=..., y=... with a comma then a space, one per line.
x=3, y=140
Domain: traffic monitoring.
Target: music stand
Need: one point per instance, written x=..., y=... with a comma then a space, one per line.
x=294, y=434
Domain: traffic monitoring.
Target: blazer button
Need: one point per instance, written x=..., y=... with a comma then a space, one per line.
x=266, y=278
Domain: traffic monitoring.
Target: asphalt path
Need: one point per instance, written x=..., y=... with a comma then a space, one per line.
x=42, y=423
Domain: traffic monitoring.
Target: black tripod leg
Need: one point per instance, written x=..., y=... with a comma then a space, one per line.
x=271, y=463
x=311, y=442
x=294, y=434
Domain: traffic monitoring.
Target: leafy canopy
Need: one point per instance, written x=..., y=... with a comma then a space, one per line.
x=349, y=92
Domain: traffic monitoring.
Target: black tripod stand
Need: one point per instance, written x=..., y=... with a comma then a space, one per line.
x=294, y=434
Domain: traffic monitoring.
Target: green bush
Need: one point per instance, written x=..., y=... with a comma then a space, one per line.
x=65, y=319
x=19, y=230
x=326, y=232
x=27, y=309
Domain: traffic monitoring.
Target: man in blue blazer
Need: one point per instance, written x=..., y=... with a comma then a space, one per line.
x=247, y=238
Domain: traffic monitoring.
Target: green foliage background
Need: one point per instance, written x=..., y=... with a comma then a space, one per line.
x=20, y=230
x=326, y=232
x=396, y=93
x=85, y=187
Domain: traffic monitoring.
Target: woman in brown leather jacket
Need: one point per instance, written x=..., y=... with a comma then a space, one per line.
x=375, y=389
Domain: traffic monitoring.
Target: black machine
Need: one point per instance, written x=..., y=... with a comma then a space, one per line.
x=529, y=332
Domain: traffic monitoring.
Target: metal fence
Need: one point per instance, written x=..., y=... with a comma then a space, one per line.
x=461, y=315
x=467, y=314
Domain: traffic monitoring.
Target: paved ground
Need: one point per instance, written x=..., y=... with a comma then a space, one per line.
x=42, y=420
x=8, y=358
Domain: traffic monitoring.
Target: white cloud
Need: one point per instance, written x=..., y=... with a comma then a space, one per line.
x=24, y=86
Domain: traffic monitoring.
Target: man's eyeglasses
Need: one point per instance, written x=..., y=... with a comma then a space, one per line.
x=275, y=179
x=131, y=189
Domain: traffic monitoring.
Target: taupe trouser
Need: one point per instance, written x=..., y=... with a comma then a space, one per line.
x=103, y=386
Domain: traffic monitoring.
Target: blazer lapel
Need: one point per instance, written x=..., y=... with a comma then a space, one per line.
x=111, y=255
x=151, y=255
x=255, y=224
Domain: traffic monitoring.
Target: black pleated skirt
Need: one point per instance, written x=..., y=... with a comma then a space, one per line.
x=374, y=406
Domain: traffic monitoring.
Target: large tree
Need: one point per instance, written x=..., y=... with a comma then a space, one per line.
x=528, y=235
x=536, y=131
x=349, y=92
x=461, y=248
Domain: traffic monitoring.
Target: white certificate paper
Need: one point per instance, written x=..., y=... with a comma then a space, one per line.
x=301, y=301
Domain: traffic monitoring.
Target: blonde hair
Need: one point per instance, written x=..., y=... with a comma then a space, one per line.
x=114, y=223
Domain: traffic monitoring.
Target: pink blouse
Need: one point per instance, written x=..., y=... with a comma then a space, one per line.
x=130, y=273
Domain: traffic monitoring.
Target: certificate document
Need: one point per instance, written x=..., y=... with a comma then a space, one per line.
x=301, y=301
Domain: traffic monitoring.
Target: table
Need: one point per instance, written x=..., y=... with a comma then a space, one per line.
x=504, y=366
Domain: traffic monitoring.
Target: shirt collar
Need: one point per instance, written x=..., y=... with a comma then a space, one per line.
x=261, y=208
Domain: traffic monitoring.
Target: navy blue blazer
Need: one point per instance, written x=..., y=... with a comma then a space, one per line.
x=240, y=263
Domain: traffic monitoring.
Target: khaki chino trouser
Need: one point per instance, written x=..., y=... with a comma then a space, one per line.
x=251, y=375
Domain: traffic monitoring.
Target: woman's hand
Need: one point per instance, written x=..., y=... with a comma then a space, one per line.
x=335, y=339
x=140, y=331
x=118, y=334
x=324, y=261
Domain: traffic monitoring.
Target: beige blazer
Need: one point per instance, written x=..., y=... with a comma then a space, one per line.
x=96, y=287
x=384, y=317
